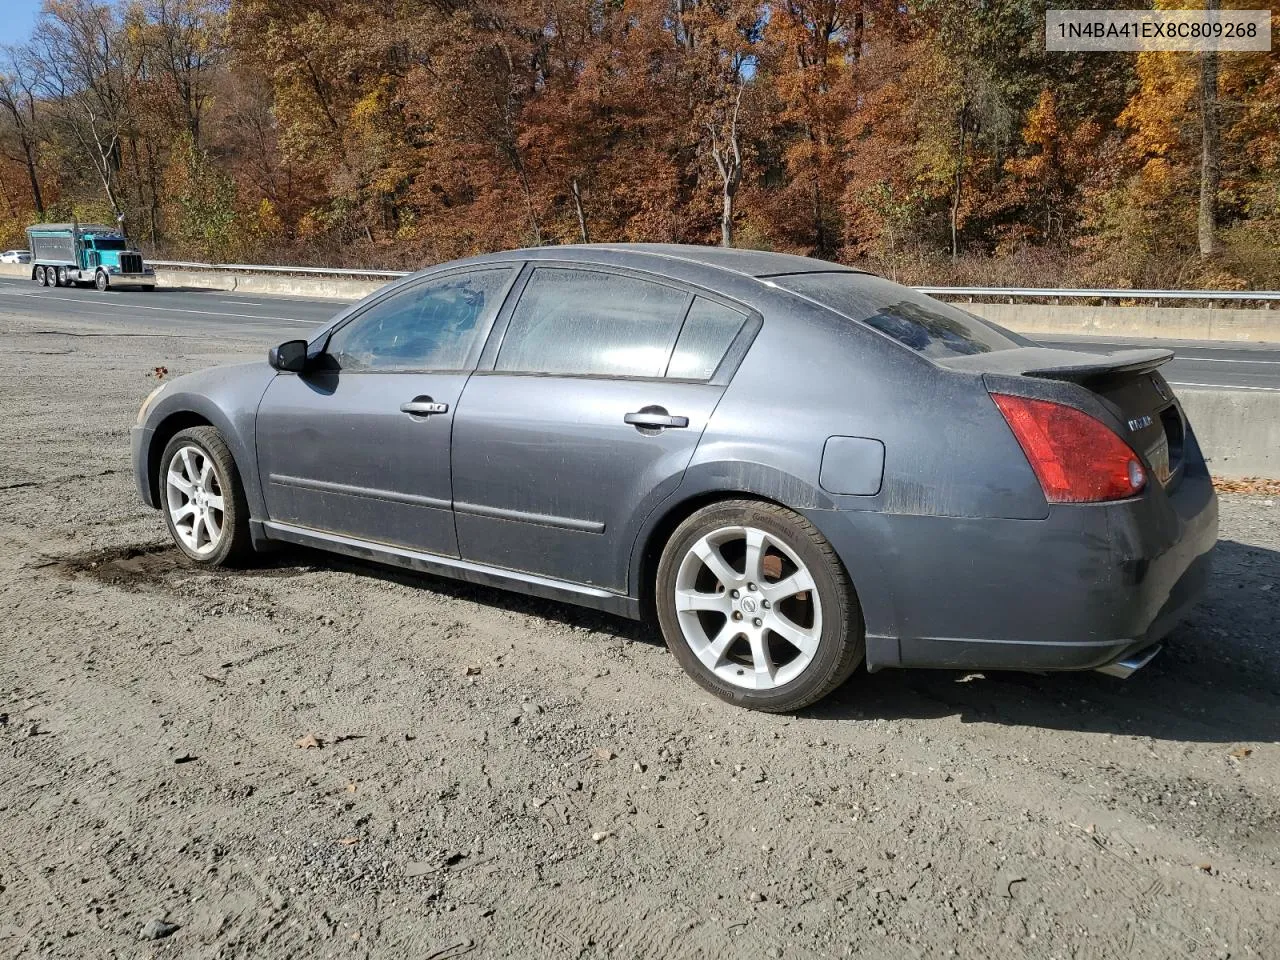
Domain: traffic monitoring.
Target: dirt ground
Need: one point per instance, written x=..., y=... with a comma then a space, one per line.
x=500, y=777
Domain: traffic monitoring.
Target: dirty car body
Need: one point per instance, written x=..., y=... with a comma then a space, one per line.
x=901, y=428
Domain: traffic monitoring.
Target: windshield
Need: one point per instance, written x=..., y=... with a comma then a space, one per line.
x=108, y=243
x=928, y=326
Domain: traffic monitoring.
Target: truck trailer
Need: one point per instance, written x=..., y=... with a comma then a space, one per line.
x=66, y=254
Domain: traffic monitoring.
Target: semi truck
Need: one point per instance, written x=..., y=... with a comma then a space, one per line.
x=66, y=254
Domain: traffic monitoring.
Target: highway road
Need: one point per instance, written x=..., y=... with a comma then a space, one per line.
x=216, y=312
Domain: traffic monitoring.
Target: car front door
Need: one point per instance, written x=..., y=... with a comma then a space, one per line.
x=584, y=419
x=359, y=444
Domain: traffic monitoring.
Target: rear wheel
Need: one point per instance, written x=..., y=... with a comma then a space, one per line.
x=757, y=607
x=51, y=274
x=100, y=281
x=64, y=277
x=40, y=277
x=203, y=499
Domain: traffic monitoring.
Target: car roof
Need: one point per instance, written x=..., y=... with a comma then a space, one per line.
x=751, y=263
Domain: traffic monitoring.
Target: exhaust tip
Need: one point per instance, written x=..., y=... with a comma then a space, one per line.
x=1127, y=666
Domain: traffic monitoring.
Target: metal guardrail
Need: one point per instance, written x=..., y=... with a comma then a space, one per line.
x=1010, y=293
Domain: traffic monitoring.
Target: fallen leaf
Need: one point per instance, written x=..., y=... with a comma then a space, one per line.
x=352, y=787
x=1247, y=485
x=1241, y=752
x=471, y=671
x=603, y=753
x=349, y=841
x=310, y=742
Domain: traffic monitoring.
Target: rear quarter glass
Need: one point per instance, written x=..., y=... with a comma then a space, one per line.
x=925, y=325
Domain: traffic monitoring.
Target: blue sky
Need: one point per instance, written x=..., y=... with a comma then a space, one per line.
x=16, y=18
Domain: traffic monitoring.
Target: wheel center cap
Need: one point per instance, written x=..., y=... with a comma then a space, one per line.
x=748, y=605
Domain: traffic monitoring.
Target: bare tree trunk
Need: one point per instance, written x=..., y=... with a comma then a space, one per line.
x=37, y=198
x=153, y=210
x=528, y=205
x=726, y=219
x=8, y=200
x=683, y=36
x=1210, y=151
x=956, y=189
x=577, y=205
x=728, y=158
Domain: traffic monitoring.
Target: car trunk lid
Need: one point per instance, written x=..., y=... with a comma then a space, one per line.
x=1128, y=380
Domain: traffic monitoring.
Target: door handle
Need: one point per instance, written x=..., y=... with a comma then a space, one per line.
x=654, y=417
x=423, y=407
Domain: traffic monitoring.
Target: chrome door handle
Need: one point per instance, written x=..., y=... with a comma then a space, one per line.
x=423, y=407
x=654, y=417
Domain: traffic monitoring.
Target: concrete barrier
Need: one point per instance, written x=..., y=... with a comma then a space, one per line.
x=1238, y=430
x=1157, y=323
x=271, y=284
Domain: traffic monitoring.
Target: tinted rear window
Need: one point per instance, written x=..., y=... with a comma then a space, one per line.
x=928, y=326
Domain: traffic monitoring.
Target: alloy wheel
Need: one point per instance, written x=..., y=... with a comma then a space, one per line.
x=748, y=608
x=194, y=499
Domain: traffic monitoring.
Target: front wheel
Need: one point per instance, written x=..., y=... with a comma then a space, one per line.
x=757, y=607
x=100, y=281
x=203, y=499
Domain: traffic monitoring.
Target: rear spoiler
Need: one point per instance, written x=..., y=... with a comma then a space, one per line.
x=1050, y=363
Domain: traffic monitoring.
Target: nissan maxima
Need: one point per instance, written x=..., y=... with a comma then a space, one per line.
x=794, y=468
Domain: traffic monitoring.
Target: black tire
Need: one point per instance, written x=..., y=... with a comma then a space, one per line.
x=236, y=543
x=842, y=639
x=39, y=277
x=100, y=281
x=51, y=274
x=64, y=277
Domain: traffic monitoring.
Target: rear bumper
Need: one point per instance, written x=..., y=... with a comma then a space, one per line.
x=1084, y=588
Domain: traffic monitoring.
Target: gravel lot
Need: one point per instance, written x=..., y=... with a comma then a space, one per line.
x=499, y=777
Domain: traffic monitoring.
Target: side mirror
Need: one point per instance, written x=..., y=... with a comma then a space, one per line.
x=290, y=356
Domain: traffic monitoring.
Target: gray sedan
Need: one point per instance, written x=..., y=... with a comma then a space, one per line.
x=793, y=467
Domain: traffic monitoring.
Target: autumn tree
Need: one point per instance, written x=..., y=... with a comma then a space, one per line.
x=810, y=44
x=88, y=70
x=935, y=140
x=19, y=81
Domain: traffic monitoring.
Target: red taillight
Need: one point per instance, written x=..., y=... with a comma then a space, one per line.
x=1076, y=458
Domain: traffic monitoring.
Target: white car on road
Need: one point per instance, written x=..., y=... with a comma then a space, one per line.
x=15, y=256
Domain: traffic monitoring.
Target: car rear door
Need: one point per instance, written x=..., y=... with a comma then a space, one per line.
x=359, y=446
x=583, y=416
